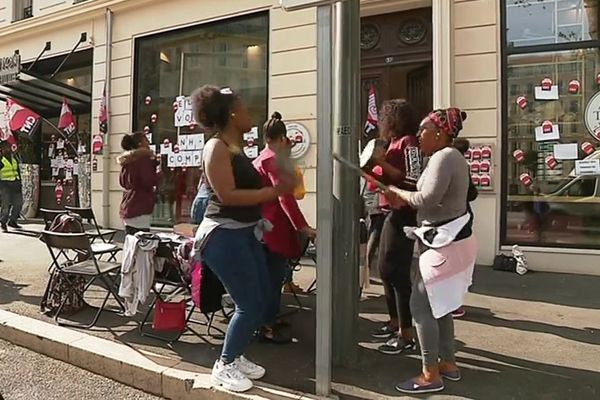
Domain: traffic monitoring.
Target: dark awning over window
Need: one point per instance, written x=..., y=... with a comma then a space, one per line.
x=44, y=95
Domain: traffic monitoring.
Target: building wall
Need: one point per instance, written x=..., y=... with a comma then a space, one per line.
x=476, y=89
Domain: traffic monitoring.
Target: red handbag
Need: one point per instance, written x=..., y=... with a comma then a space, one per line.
x=169, y=316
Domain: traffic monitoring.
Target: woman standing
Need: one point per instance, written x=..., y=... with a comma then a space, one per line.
x=448, y=249
x=138, y=178
x=282, y=242
x=400, y=166
x=227, y=237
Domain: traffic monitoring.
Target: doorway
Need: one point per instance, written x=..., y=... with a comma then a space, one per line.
x=396, y=60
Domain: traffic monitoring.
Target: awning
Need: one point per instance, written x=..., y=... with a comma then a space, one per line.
x=44, y=95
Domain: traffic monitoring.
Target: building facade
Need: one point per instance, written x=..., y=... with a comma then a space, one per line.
x=489, y=57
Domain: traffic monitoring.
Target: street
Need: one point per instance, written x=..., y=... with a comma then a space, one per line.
x=25, y=375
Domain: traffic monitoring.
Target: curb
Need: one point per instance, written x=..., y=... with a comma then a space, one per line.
x=124, y=364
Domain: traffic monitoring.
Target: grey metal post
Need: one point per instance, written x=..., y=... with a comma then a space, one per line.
x=346, y=122
x=324, y=204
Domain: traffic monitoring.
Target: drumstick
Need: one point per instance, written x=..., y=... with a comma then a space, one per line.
x=359, y=171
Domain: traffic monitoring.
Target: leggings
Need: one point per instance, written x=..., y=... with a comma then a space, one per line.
x=436, y=336
x=395, y=259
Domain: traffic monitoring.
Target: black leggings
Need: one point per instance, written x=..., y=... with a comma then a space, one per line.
x=395, y=259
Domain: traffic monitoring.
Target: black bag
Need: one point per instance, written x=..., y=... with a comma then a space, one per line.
x=505, y=263
x=65, y=287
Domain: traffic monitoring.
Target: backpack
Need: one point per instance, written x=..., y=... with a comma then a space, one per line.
x=65, y=287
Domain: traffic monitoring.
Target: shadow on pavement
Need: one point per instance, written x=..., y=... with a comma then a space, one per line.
x=562, y=289
x=11, y=292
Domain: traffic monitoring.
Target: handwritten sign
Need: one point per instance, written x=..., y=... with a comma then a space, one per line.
x=191, y=142
x=184, y=115
x=184, y=159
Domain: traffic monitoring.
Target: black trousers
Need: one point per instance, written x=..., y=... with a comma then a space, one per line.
x=395, y=259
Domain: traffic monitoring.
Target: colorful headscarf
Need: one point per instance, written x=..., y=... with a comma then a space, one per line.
x=449, y=120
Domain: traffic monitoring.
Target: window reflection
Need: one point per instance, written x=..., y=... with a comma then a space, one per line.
x=227, y=53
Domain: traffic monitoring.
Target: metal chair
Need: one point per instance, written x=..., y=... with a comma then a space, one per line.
x=82, y=263
x=96, y=231
x=295, y=265
x=49, y=215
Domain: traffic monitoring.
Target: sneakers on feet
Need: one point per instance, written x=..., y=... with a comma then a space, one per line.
x=14, y=225
x=459, y=313
x=230, y=377
x=384, y=332
x=250, y=369
x=396, y=345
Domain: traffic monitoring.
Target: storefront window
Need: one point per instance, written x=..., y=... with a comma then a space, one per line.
x=540, y=22
x=549, y=201
x=232, y=53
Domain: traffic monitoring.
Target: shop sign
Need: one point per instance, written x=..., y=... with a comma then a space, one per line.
x=300, y=138
x=9, y=68
x=184, y=115
x=592, y=116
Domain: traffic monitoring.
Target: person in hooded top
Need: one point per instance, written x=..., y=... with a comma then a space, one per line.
x=138, y=179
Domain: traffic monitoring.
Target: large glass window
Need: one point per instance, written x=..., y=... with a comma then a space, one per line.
x=548, y=202
x=538, y=22
x=232, y=53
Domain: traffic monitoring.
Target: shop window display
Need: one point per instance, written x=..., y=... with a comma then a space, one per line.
x=231, y=53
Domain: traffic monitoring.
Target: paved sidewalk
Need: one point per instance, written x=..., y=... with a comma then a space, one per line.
x=531, y=337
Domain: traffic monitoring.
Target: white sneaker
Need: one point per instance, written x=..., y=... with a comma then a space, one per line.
x=250, y=369
x=230, y=377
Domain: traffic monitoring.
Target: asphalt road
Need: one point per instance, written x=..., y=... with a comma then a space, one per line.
x=25, y=375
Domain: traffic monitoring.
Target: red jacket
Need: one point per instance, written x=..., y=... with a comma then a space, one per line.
x=138, y=179
x=284, y=213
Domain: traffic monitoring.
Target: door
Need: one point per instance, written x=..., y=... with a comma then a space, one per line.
x=420, y=89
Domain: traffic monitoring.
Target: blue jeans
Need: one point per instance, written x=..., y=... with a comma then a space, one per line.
x=238, y=259
x=279, y=272
x=198, y=208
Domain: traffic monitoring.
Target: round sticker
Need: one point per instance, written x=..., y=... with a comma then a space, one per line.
x=300, y=138
x=592, y=116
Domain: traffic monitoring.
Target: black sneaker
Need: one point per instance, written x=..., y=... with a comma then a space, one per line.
x=4, y=228
x=13, y=224
x=385, y=332
x=396, y=345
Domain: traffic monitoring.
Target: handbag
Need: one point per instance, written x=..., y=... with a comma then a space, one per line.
x=503, y=262
x=169, y=317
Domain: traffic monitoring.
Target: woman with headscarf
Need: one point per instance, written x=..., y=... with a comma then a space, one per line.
x=447, y=248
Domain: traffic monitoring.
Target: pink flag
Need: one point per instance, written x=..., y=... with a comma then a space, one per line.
x=66, y=121
x=21, y=119
x=372, y=118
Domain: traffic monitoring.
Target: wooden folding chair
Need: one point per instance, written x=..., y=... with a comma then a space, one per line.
x=72, y=255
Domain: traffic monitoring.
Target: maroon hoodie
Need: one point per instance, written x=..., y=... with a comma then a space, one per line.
x=138, y=179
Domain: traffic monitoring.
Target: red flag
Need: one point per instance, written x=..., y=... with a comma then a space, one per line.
x=103, y=116
x=66, y=121
x=372, y=118
x=21, y=119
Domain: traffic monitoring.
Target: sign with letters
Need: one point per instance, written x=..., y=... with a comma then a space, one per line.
x=184, y=159
x=184, y=115
x=9, y=68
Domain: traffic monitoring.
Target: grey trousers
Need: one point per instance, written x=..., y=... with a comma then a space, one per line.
x=436, y=336
x=12, y=201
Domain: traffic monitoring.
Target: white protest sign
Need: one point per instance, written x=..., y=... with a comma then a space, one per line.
x=191, y=142
x=185, y=159
x=587, y=167
x=184, y=115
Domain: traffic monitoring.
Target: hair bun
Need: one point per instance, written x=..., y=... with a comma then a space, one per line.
x=463, y=115
x=276, y=115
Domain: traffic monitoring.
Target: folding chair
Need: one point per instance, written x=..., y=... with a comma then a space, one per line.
x=294, y=265
x=166, y=289
x=49, y=215
x=91, y=269
x=96, y=231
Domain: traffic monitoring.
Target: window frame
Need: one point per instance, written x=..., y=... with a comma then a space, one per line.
x=505, y=52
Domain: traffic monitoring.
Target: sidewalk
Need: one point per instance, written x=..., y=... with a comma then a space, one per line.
x=531, y=337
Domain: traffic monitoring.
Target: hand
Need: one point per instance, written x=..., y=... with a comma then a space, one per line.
x=393, y=195
x=310, y=232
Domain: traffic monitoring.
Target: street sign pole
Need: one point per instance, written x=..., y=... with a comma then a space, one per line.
x=346, y=127
x=324, y=312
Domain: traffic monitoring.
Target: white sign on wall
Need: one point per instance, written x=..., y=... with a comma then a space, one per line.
x=191, y=142
x=184, y=115
x=300, y=138
x=592, y=116
x=185, y=159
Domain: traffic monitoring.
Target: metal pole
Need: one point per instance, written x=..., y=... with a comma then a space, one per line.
x=346, y=122
x=106, y=146
x=324, y=204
